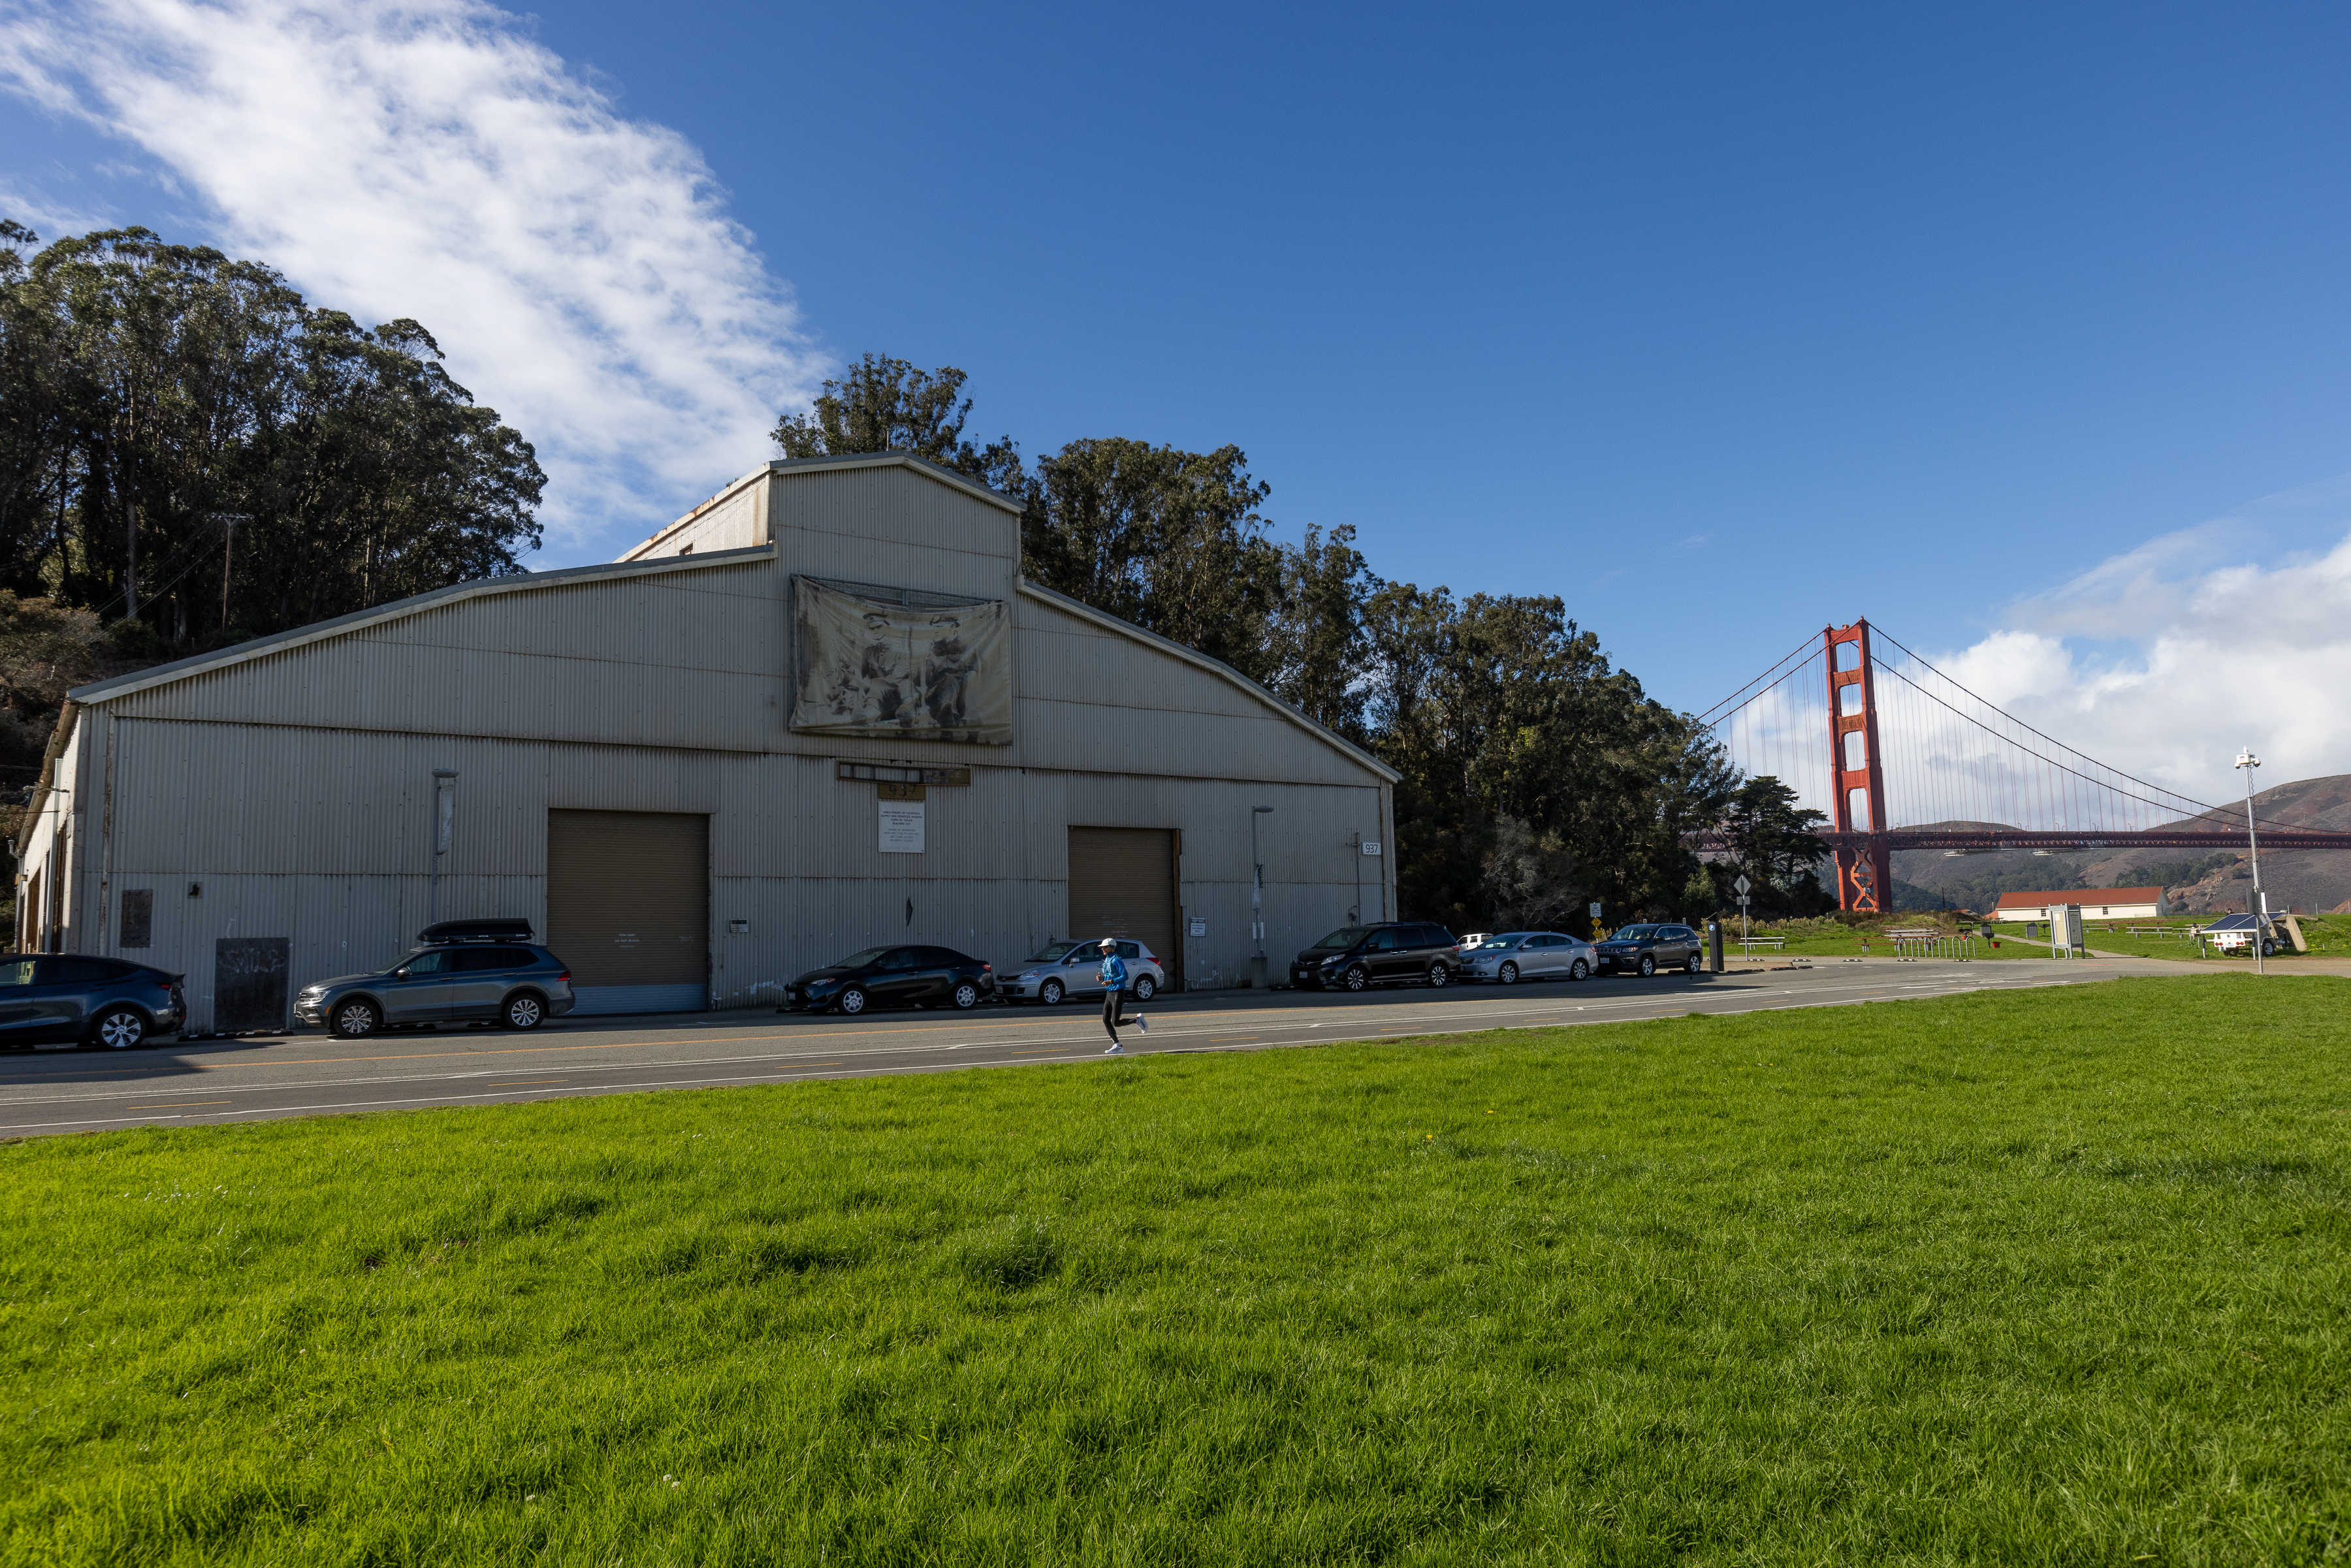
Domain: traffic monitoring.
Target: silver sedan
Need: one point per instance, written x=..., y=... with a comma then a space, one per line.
x=1508, y=957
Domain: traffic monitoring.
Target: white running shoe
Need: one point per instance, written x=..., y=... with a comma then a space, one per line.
x=1143, y=1024
x=1115, y=1050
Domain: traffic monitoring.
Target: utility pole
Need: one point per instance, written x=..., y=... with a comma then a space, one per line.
x=2260, y=908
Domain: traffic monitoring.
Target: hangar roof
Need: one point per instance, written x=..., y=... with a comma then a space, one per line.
x=399, y=609
x=99, y=692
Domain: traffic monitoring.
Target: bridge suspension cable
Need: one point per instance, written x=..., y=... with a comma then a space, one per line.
x=1949, y=757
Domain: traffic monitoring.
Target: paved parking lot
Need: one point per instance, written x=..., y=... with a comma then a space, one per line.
x=309, y=1074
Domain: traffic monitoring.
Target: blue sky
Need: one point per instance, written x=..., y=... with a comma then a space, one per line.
x=1719, y=323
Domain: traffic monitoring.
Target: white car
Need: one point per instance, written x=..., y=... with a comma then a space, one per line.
x=1507, y=957
x=1060, y=970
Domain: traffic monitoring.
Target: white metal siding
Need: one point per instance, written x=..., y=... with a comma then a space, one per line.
x=321, y=836
x=895, y=527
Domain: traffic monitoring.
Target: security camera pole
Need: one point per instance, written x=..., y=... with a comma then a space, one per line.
x=1256, y=902
x=2261, y=907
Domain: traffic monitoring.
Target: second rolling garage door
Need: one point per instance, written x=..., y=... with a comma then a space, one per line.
x=628, y=908
x=1122, y=883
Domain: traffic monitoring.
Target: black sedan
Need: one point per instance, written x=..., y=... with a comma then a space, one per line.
x=1645, y=949
x=71, y=999
x=892, y=978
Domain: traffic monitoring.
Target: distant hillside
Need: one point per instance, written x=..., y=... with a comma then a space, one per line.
x=2306, y=880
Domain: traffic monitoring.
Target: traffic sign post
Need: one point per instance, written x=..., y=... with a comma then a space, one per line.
x=1742, y=886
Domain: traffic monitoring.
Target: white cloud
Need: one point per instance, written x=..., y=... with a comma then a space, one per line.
x=2161, y=663
x=2167, y=660
x=425, y=158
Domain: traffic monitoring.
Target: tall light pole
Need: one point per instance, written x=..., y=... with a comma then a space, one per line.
x=1256, y=902
x=2260, y=909
x=444, y=819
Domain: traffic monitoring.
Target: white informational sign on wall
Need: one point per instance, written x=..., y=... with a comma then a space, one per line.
x=1199, y=927
x=901, y=827
x=1372, y=848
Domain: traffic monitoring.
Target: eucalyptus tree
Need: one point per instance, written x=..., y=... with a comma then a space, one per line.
x=192, y=451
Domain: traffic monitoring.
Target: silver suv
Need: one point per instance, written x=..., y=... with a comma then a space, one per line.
x=485, y=971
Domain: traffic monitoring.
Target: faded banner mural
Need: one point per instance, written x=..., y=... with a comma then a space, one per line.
x=873, y=666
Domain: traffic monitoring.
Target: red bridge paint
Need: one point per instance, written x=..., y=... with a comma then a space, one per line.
x=1864, y=865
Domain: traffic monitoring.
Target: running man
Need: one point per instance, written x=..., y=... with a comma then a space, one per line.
x=1113, y=985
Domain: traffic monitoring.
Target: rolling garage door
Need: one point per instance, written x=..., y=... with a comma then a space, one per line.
x=628, y=908
x=1122, y=883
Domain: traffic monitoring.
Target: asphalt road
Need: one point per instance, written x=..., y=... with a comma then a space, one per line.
x=309, y=1074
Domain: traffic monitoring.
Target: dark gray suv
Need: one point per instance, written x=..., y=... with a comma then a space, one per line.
x=468, y=972
x=1645, y=949
x=1391, y=953
x=72, y=998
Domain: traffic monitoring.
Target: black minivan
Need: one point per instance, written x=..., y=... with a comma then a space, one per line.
x=1390, y=953
x=74, y=998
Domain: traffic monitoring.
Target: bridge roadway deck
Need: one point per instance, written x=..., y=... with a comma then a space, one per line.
x=309, y=1074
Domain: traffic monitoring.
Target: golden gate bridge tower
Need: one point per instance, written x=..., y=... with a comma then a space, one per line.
x=1917, y=761
x=1865, y=876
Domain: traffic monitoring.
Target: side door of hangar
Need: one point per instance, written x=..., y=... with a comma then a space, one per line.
x=1122, y=883
x=628, y=907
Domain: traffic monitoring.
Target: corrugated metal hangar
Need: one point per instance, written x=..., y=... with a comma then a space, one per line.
x=819, y=712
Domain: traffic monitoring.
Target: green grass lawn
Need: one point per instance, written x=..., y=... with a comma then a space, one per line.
x=1827, y=939
x=2049, y=1278
x=2327, y=935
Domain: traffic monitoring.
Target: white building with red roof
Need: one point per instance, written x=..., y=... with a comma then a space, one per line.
x=2096, y=903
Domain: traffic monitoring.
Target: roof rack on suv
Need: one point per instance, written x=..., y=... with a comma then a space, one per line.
x=446, y=931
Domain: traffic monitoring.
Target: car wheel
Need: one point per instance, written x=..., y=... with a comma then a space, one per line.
x=523, y=1010
x=1145, y=987
x=1694, y=964
x=119, y=1029
x=1439, y=976
x=852, y=1001
x=1648, y=965
x=1578, y=970
x=1358, y=977
x=357, y=1019
x=967, y=995
x=1050, y=993
x=1508, y=973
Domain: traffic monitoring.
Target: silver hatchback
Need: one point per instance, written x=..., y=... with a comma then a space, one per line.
x=514, y=985
x=1064, y=969
x=1508, y=957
